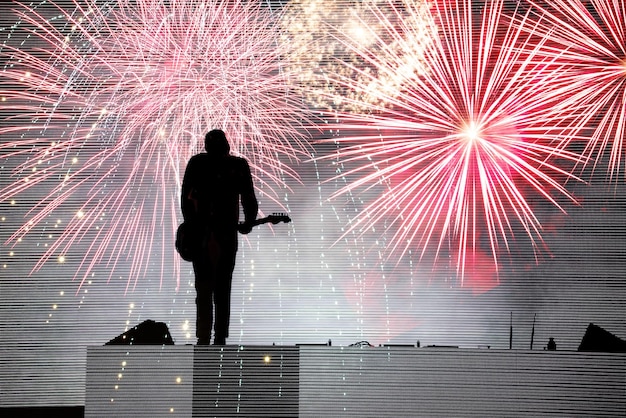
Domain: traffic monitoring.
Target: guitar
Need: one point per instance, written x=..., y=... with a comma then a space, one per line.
x=274, y=218
x=189, y=237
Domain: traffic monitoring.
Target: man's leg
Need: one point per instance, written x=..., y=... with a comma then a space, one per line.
x=204, y=303
x=222, y=311
x=223, y=285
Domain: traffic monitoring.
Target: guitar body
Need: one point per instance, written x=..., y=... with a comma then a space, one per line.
x=188, y=240
x=189, y=236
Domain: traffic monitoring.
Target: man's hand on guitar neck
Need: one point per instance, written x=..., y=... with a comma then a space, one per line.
x=245, y=227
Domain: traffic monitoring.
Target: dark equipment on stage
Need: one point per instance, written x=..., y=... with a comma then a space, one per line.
x=148, y=332
x=599, y=340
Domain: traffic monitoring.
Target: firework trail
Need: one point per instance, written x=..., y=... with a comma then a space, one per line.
x=317, y=31
x=103, y=105
x=463, y=150
x=589, y=38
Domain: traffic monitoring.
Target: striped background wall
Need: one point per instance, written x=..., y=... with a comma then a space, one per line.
x=100, y=111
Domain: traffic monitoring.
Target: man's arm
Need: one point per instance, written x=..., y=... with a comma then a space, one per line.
x=188, y=202
x=249, y=201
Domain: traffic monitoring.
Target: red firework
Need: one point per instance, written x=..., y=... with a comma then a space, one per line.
x=466, y=149
x=589, y=39
x=104, y=102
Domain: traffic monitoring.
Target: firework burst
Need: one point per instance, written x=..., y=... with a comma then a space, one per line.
x=324, y=35
x=463, y=151
x=103, y=105
x=589, y=38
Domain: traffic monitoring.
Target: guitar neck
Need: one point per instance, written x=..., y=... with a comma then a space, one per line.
x=273, y=218
x=261, y=221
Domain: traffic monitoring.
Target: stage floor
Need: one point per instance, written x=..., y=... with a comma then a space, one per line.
x=314, y=381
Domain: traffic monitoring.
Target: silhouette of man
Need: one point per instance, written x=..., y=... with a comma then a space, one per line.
x=214, y=185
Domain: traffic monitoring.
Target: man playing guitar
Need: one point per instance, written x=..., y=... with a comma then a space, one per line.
x=214, y=184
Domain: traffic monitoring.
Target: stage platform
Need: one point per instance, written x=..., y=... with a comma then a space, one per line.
x=324, y=381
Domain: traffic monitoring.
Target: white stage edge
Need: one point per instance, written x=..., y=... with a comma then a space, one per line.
x=321, y=381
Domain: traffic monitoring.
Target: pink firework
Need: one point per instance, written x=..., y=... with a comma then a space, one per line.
x=463, y=152
x=104, y=102
x=589, y=38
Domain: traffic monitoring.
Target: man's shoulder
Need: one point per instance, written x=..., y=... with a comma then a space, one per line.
x=237, y=160
x=204, y=159
x=196, y=159
x=200, y=156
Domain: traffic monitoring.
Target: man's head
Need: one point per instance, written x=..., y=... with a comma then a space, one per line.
x=216, y=144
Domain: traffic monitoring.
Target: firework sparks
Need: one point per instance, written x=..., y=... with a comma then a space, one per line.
x=324, y=35
x=463, y=151
x=103, y=105
x=594, y=76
